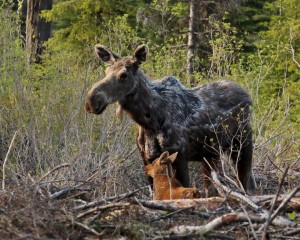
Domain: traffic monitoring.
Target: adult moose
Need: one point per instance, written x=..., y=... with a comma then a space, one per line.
x=199, y=123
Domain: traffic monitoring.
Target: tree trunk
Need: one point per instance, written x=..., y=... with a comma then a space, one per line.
x=37, y=29
x=191, y=43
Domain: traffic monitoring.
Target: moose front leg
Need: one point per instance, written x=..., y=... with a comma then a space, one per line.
x=182, y=171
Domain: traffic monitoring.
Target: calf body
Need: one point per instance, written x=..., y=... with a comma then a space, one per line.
x=164, y=184
x=199, y=123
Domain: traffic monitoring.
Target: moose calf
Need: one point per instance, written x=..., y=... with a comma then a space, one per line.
x=164, y=184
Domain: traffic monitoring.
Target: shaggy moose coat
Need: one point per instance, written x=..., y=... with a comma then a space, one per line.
x=199, y=123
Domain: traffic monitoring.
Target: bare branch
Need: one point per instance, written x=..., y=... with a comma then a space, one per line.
x=292, y=49
x=5, y=160
x=98, y=208
x=95, y=203
x=273, y=204
x=227, y=192
x=54, y=169
x=88, y=228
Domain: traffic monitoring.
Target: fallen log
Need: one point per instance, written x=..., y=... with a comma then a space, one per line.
x=211, y=204
x=227, y=219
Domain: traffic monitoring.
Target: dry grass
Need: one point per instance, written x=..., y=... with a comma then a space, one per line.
x=98, y=160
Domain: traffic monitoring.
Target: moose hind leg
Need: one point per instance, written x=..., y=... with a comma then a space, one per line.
x=243, y=155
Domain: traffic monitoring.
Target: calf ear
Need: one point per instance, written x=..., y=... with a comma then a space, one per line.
x=164, y=157
x=140, y=54
x=173, y=157
x=149, y=170
x=105, y=54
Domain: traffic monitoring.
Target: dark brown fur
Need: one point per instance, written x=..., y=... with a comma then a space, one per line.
x=199, y=123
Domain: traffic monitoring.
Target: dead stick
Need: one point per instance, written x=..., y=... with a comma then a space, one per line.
x=5, y=160
x=95, y=203
x=67, y=190
x=54, y=169
x=226, y=219
x=168, y=215
x=63, y=191
x=226, y=191
x=285, y=202
x=292, y=232
x=111, y=205
x=165, y=207
x=250, y=222
x=88, y=228
x=264, y=234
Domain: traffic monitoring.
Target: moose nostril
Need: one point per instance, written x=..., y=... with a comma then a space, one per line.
x=87, y=107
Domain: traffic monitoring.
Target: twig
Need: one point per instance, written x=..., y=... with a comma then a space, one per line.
x=54, y=169
x=250, y=222
x=266, y=225
x=195, y=236
x=226, y=191
x=292, y=232
x=67, y=190
x=169, y=214
x=111, y=205
x=5, y=160
x=88, y=228
x=292, y=49
x=285, y=202
x=137, y=201
x=63, y=192
x=95, y=203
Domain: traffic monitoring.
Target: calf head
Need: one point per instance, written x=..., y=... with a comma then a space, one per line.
x=161, y=165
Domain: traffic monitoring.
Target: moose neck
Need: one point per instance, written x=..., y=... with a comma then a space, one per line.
x=144, y=103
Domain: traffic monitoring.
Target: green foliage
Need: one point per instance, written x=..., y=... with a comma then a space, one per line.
x=79, y=24
x=162, y=20
x=12, y=67
x=292, y=215
x=225, y=49
x=167, y=60
x=250, y=19
x=278, y=57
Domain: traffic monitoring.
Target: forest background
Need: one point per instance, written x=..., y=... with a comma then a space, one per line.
x=42, y=119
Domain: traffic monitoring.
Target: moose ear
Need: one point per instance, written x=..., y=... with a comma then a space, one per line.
x=173, y=157
x=105, y=54
x=140, y=54
x=149, y=170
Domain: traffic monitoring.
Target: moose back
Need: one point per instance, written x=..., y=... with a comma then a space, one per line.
x=199, y=123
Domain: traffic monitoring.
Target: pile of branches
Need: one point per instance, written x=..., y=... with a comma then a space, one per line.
x=36, y=211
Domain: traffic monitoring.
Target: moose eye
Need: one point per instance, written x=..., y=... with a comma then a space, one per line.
x=123, y=76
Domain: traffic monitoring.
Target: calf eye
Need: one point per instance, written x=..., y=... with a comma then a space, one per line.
x=123, y=76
